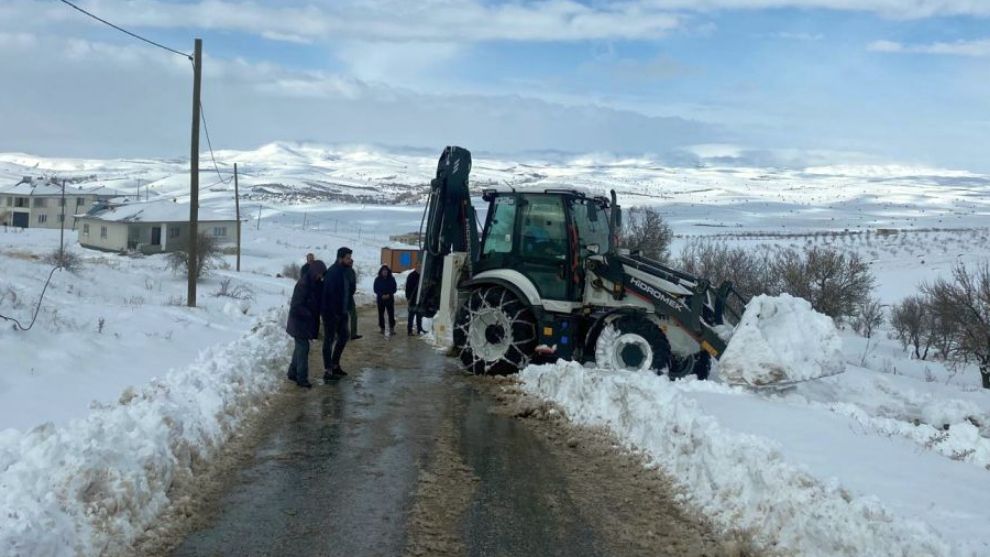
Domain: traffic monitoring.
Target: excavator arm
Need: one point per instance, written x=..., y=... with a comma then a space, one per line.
x=451, y=225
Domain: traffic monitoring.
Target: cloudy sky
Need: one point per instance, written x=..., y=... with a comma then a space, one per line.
x=773, y=81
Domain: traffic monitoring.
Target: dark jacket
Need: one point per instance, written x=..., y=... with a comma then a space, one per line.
x=412, y=286
x=352, y=278
x=336, y=292
x=304, y=309
x=385, y=285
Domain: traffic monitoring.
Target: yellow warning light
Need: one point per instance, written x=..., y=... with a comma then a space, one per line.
x=547, y=331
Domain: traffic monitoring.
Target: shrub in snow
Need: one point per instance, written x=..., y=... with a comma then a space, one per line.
x=964, y=304
x=869, y=316
x=924, y=330
x=645, y=230
x=291, y=271
x=749, y=270
x=209, y=255
x=235, y=291
x=834, y=282
x=65, y=259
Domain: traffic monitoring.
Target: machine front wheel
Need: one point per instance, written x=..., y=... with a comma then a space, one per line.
x=495, y=332
x=633, y=344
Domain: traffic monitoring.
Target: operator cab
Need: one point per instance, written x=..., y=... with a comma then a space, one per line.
x=546, y=235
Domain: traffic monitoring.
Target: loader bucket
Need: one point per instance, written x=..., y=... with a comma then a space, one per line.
x=781, y=340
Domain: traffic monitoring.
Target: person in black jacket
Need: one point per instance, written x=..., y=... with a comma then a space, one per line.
x=336, y=295
x=385, y=289
x=304, y=319
x=412, y=288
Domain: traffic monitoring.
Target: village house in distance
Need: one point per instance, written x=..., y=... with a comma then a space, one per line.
x=37, y=203
x=150, y=226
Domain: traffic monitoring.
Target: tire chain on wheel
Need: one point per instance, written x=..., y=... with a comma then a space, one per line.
x=522, y=331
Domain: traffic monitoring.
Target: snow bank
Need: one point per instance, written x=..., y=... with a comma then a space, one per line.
x=781, y=339
x=98, y=482
x=741, y=481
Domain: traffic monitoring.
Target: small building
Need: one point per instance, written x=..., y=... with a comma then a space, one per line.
x=37, y=203
x=149, y=227
x=400, y=259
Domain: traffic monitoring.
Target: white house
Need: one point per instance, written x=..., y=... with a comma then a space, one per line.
x=149, y=227
x=38, y=203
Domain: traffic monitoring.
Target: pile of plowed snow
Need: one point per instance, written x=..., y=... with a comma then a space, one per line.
x=739, y=480
x=781, y=339
x=95, y=484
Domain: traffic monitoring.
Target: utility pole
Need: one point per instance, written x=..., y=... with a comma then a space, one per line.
x=237, y=209
x=61, y=231
x=192, y=251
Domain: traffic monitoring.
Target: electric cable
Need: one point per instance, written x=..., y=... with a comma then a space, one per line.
x=125, y=31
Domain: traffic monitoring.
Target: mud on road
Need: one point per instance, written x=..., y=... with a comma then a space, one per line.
x=409, y=456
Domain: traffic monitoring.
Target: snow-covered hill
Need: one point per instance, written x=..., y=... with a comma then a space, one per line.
x=703, y=199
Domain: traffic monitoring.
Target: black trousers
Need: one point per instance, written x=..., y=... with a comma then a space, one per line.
x=386, y=305
x=335, y=337
x=418, y=318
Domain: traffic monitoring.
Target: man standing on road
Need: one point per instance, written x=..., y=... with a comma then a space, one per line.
x=412, y=289
x=385, y=289
x=351, y=306
x=304, y=320
x=336, y=294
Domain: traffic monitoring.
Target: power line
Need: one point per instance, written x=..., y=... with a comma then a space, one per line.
x=202, y=114
x=125, y=31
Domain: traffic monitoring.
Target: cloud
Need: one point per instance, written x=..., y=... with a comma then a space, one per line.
x=792, y=36
x=976, y=49
x=463, y=21
x=136, y=103
x=897, y=9
x=17, y=40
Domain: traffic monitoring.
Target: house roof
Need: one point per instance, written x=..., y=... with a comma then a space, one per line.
x=154, y=211
x=103, y=191
x=39, y=189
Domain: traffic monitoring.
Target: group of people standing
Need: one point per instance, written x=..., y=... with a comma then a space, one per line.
x=327, y=295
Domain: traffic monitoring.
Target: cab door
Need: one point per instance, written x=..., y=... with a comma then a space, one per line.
x=544, y=245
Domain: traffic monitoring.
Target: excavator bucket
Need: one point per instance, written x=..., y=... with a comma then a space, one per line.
x=779, y=341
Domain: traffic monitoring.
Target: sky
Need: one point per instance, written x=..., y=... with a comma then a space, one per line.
x=769, y=82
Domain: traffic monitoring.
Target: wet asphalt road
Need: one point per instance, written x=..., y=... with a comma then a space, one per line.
x=340, y=468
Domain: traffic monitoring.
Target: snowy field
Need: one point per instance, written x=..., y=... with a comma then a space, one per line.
x=120, y=388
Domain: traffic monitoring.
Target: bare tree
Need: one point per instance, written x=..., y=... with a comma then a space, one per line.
x=869, y=316
x=748, y=271
x=835, y=283
x=646, y=231
x=912, y=321
x=964, y=303
x=209, y=255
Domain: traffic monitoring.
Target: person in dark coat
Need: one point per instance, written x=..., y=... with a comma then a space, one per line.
x=304, y=319
x=412, y=289
x=351, y=306
x=385, y=289
x=336, y=296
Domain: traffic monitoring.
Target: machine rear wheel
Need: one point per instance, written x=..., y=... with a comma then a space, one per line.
x=633, y=344
x=495, y=332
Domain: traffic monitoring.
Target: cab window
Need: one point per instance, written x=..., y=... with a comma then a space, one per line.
x=501, y=226
x=544, y=234
x=592, y=224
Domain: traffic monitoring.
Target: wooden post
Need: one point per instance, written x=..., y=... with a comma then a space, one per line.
x=192, y=250
x=259, y=217
x=237, y=209
x=61, y=231
x=304, y=221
